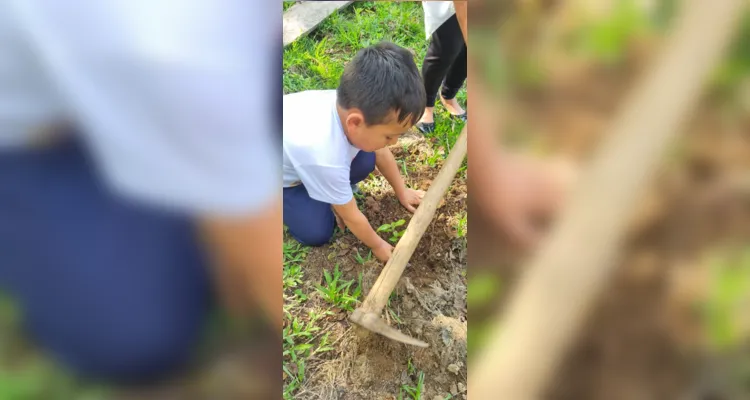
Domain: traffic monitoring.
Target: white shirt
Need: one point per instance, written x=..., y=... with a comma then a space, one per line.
x=316, y=150
x=171, y=95
x=435, y=14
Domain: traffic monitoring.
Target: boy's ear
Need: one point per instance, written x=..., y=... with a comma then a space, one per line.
x=355, y=118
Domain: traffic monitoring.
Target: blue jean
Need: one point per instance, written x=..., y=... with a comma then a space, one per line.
x=311, y=222
x=111, y=289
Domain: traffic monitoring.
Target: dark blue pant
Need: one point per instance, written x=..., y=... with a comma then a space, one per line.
x=110, y=289
x=312, y=222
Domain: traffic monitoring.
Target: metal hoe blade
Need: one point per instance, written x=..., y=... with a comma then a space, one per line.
x=374, y=323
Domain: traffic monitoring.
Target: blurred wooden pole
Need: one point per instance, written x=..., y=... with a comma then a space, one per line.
x=562, y=283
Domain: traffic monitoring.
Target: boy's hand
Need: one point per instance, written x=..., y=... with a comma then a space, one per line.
x=411, y=198
x=383, y=251
x=518, y=190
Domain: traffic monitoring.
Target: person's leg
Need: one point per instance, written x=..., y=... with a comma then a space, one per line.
x=362, y=166
x=111, y=289
x=454, y=80
x=446, y=44
x=310, y=222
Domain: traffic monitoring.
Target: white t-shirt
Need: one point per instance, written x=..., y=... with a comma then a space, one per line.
x=171, y=95
x=316, y=150
x=435, y=14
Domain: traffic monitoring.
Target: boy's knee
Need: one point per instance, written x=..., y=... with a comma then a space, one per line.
x=314, y=236
x=137, y=355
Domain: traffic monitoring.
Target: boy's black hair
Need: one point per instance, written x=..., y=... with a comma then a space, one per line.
x=380, y=79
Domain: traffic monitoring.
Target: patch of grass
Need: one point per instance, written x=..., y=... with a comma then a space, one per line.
x=462, y=225
x=335, y=291
x=302, y=335
x=729, y=297
x=317, y=60
x=416, y=391
x=392, y=228
x=606, y=39
x=362, y=260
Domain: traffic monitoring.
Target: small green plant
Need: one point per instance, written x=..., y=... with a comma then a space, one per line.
x=403, y=168
x=362, y=260
x=392, y=228
x=336, y=292
x=433, y=158
x=294, y=255
x=413, y=392
x=391, y=312
x=461, y=226
x=729, y=297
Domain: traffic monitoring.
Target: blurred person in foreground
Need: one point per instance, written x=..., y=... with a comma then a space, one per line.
x=511, y=194
x=334, y=139
x=135, y=151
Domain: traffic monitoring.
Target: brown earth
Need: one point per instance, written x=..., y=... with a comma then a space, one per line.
x=429, y=303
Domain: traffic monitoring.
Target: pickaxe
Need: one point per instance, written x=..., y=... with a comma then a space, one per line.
x=368, y=315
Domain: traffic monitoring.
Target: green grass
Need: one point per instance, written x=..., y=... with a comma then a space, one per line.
x=336, y=292
x=729, y=297
x=362, y=260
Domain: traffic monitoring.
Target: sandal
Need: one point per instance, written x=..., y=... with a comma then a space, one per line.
x=426, y=127
x=462, y=117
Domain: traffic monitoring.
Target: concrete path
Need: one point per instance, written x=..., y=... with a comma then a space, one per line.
x=302, y=18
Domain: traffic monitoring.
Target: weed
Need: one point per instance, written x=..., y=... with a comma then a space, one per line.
x=403, y=168
x=461, y=226
x=413, y=392
x=728, y=300
x=336, y=292
x=392, y=228
x=391, y=312
x=362, y=260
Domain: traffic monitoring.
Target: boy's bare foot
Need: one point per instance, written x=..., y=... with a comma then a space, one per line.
x=452, y=106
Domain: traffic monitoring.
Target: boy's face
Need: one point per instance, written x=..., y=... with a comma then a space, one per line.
x=373, y=137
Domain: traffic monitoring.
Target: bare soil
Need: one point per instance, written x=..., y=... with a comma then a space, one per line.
x=429, y=303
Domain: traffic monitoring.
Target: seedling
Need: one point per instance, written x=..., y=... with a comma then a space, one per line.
x=336, y=292
x=362, y=260
x=461, y=226
x=393, y=313
x=403, y=168
x=413, y=392
x=393, y=230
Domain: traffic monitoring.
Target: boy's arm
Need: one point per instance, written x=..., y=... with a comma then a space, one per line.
x=243, y=250
x=361, y=228
x=387, y=166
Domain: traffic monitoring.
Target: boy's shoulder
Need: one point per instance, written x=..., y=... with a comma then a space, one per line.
x=310, y=120
x=318, y=97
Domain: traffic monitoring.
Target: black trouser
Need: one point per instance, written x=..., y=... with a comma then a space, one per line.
x=445, y=62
